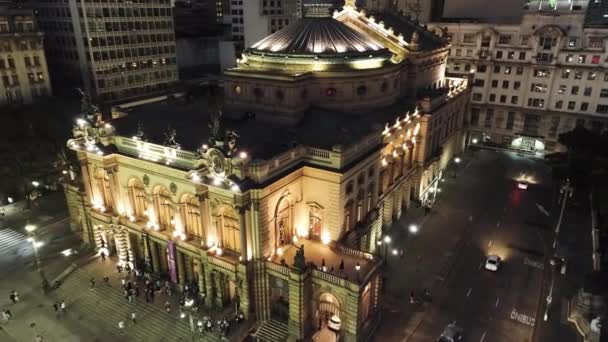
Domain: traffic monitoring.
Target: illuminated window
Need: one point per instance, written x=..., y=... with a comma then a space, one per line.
x=237, y=90
x=330, y=92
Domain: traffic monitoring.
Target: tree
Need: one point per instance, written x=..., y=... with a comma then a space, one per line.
x=586, y=152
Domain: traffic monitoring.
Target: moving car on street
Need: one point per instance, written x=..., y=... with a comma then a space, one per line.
x=451, y=333
x=492, y=263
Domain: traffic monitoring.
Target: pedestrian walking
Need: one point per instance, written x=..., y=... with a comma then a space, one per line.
x=119, y=268
x=133, y=318
x=123, y=281
x=9, y=314
x=4, y=315
x=168, y=307
x=103, y=256
x=130, y=297
x=401, y=254
x=16, y=295
x=38, y=338
x=12, y=298
x=412, y=297
x=56, y=308
x=121, y=327
x=92, y=283
x=62, y=305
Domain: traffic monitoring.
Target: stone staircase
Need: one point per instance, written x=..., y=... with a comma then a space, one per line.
x=105, y=305
x=272, y=331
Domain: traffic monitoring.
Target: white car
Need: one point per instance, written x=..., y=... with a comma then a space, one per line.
x=492, y=263
x=334, y=323
x=522, y=185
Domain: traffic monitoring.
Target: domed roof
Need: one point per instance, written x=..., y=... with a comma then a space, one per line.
x=318, y=36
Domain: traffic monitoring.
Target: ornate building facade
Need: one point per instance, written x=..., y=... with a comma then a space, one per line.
x=23, y=70
x=278, y=209
x=536, y=79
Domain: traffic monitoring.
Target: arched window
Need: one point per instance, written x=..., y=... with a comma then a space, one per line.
x=360, y=206
x=163, y=207
x=361, y=90
x=191, y=215
x=370, y=196
x=348, y=208
x=102, y=184
x=228, y=223
x=137, y=198
x=258, y=92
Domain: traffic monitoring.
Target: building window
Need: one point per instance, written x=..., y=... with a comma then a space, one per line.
x=485, y=41
x=504, y=39
x=522, y=56
x=237, y=90
x=582, y=59
x=494, y=83
x=591, y=75
x=489, y=118
x=538, y=88
x=280, y=95
x=587, y=91
x=574, y=90
x=498, y=54
x=584, y=106
x=467, y=67
x=492, y=98
x=384, y=87
x=503, y=98
x=476, y=97
x=510, y=54
x=510, y=120
x=569, y=58
x=258, y=92
x=571, y=42
x=538, y=103
x=595, y=59
x=469, y=53
x=546, y=43
x=478, y=83
x=596, y=42
x=524, y=40
x=542, y=72
x=497, y=69
x=566, y=73
x=475, y=116
x=482, y=68
x=514, y=99
x=531, y=123
x=578, y=75
x=559, y=104
x=602, y=109
x=361, y=90
x=562, y=89
x=507, y=70
x=516, y=85
x=519, y=70
x=571, y=105
x=505, y=84
x=330, y=92
x=458, y=52
x=604, y=92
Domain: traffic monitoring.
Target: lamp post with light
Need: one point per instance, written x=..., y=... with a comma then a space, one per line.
x=387, y=241
x=31, y=229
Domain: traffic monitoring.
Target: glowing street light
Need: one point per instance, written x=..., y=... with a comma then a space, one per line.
x=387, y=239
x=35, y=245
x=457, y=160
x=35, y=184
x=413, y=228
x=474, y=141
x=30, y=228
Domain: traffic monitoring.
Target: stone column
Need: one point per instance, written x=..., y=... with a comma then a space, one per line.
x=243, y=230
x=351, y=322
x=219, y=289
x=203, y=198
x=112, y=172
x=181, y=269
x=201, y=279
x=299, y=305
x=209, y=283
x=86, y=180
x=154, y=255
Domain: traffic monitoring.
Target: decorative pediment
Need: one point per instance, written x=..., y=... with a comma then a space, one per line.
x=550, y=30
x=315, y=206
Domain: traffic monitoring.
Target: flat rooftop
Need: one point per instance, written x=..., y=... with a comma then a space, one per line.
x=262, y=140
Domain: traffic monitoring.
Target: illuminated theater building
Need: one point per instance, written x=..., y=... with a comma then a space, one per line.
x=330, y=129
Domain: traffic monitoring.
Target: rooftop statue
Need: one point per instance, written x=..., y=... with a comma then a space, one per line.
x=170, y=138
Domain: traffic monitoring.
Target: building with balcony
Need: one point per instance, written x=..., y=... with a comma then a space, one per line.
x=23, y=68
x=274, y=203
x=535, y=79
x=117, y=50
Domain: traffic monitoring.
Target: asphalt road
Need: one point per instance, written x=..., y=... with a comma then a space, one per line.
x=479, y=212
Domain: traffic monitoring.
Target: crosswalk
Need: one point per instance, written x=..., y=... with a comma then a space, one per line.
x=10, y=239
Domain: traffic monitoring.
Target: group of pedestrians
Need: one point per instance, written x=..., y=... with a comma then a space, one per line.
x=59, y=308
x=7, y=314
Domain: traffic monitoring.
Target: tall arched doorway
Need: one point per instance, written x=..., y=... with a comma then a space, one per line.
x=283, y=222
x=328, y=306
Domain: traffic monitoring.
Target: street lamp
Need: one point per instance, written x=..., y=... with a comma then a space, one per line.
x=457, y=160
x=387, y=241
x=188, y=304
x=35, y=245
x=413, y=228
x=35, y=184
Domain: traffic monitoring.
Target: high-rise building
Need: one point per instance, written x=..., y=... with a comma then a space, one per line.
x=535, y=79
x=118, y=50
x=23, y=70
x=261, y=18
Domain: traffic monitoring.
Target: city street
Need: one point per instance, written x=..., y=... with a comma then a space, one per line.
x=481, y=212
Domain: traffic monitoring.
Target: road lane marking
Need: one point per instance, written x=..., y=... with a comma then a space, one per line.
x=490, y=244
x=483, y=337
x=480, y=265
x=521, y=318
x=533, y=263
x=497, y=301
x=469, y=292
